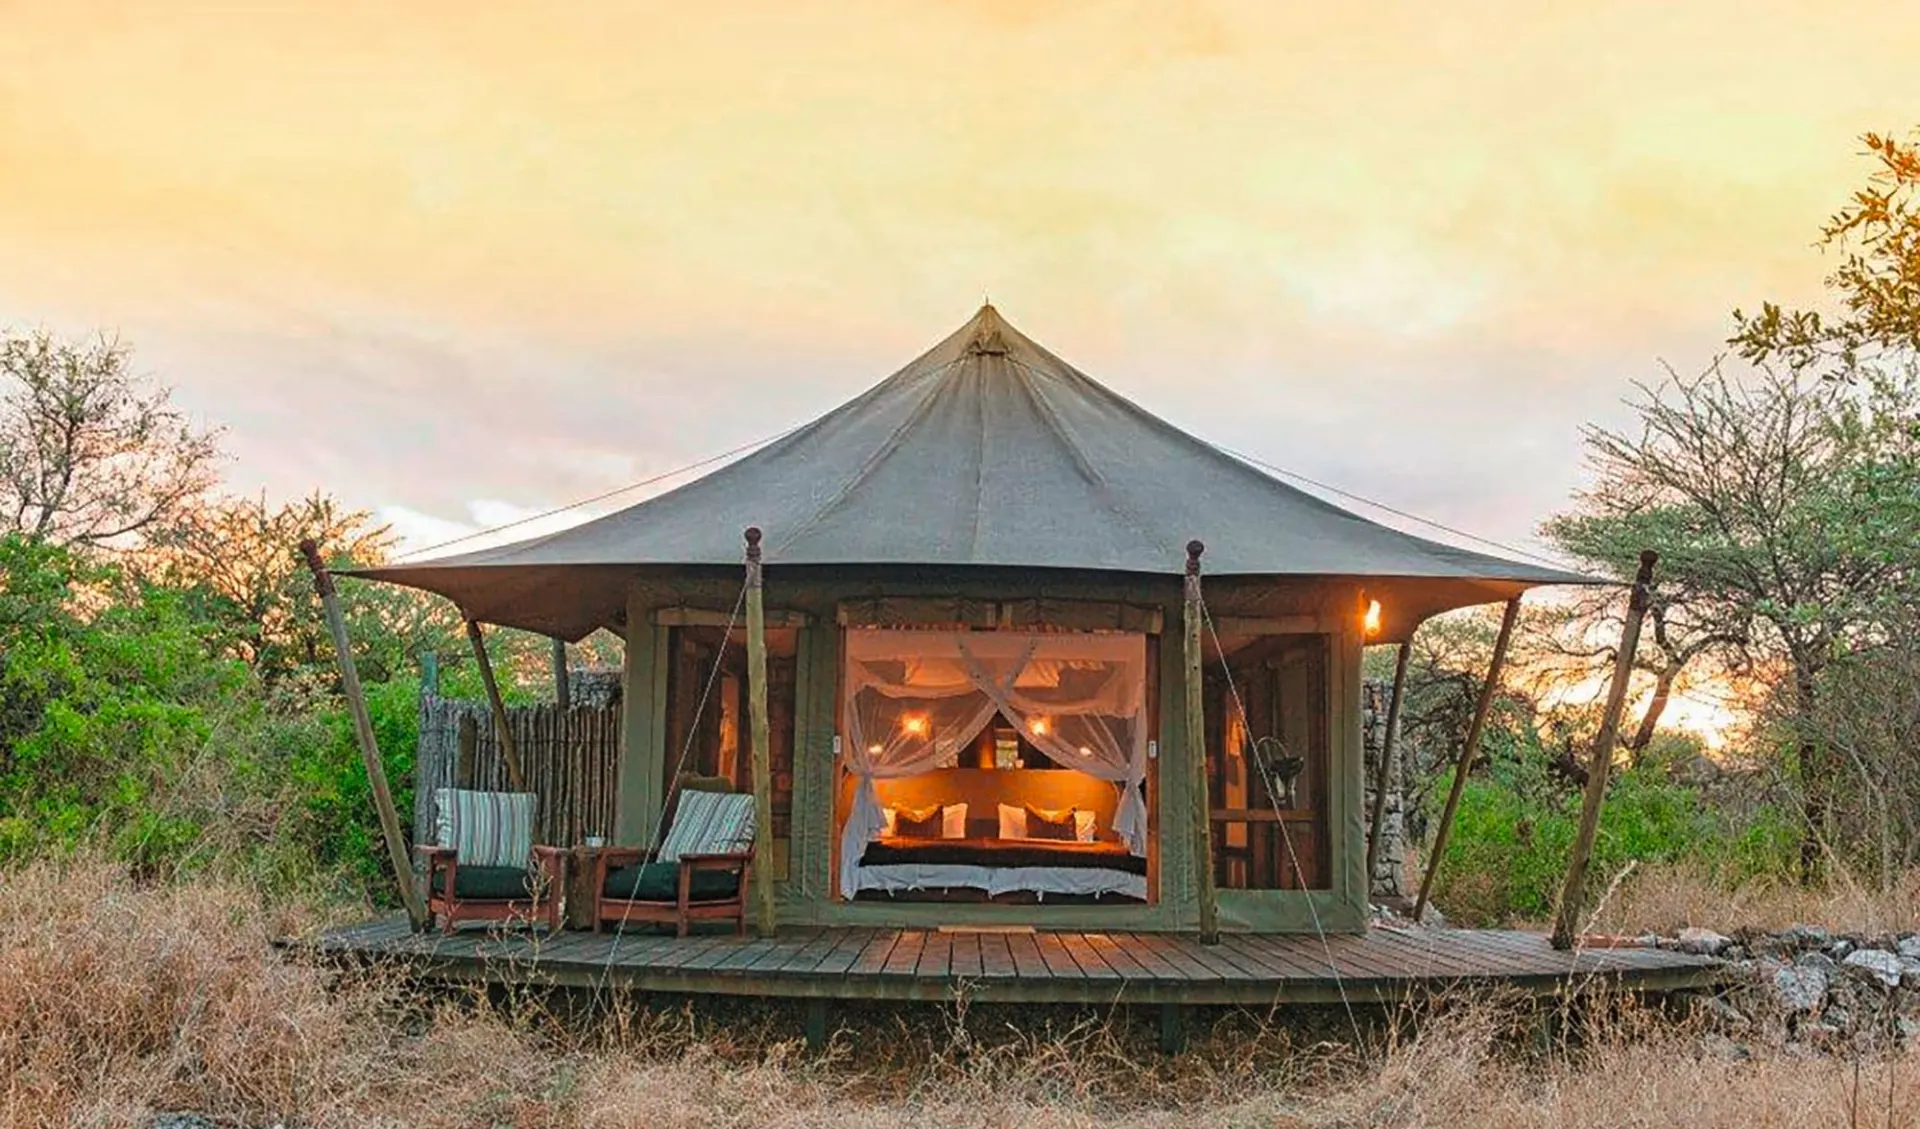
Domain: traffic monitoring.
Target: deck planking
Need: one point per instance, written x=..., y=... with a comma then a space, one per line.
x=1067, y=966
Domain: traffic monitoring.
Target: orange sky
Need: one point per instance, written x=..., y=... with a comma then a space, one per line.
x=462, y=261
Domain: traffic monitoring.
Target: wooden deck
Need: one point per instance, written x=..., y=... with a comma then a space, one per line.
x=1040, y=967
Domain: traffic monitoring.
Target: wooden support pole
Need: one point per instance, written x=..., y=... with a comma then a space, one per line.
x=363, y=731
x=562, y=693
x=1600, y=759
x=1197, y=757
x=509, y=748
x=1173, y=1029
x=1383, y=772
x=817, y=1020
x=1469, y=750
x=762, y=739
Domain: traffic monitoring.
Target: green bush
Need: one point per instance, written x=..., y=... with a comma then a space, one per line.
x=1507, y=855
x=123, y=727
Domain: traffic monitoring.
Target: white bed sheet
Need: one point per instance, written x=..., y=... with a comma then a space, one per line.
x=895, y=878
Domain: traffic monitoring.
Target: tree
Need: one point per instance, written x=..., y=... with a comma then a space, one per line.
x=106, y=706
x=236, y=557
x=90, y=454
x=1769, y=500
x=1877, y=282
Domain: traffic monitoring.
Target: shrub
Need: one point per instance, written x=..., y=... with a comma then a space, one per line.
x=1507, y=856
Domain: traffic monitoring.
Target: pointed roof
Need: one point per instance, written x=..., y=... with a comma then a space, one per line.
x=986, y=451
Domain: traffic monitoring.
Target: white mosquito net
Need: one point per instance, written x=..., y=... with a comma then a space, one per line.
x=915, y=699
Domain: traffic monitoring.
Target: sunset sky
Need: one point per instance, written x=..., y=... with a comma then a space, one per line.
x=462, y=262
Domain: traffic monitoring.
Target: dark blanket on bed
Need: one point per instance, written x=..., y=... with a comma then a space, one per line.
x=1004, y=853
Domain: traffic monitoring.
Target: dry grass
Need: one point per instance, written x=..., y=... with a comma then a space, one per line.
x=1666, y=898
x=117, y=1002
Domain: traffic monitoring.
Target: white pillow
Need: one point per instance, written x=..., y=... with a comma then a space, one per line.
x=1013, y=823
x=886, y=828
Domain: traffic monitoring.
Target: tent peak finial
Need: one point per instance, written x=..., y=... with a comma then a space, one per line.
x=987, y=339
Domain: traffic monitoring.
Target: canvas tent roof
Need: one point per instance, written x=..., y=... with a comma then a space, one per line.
x=986, y=451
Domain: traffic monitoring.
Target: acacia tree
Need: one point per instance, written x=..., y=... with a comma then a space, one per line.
x=1785, y=503
x=1768, y=500
x=91, y=455
x=235, y=557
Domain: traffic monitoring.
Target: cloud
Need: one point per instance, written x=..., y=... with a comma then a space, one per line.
x=421, y=256
x=487, y=522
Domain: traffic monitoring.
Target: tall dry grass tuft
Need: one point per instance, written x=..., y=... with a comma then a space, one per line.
x=118, y=1001
x=1664, y=898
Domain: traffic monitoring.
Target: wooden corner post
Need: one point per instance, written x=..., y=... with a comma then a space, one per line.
x=1469, y=750
x=562, y=693
x=1600, y=758
x=502, y=725
x=762, y=739
x=1383, y=771
x=363, y=732
x=1196, y=730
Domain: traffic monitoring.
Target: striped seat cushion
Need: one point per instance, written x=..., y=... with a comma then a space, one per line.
x=709, y=823
x=485, y=828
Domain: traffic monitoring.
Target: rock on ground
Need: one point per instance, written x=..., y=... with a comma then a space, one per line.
x=1875, y=966
x=1702, y=941
x=1799, y=989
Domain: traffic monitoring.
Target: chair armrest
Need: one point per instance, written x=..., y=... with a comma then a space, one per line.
x=607, y=859
x=551, y=862
x=438, y=859
x=731, y=860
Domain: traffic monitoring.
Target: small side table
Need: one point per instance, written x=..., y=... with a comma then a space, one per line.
x=581, y=896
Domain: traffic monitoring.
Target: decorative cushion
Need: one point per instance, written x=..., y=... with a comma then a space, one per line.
x=709, y=823
x=1013, y=824
x=488, y=883
x=1054, y=825
x=660, y=882
x=485, y=828
x=918, y=823
x=953, y=821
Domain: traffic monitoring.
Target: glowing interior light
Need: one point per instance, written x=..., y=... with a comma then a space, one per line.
x=915, y=725
x=1371, y=621
x=1039, y=727
x=875, y=750
x=1085, y=752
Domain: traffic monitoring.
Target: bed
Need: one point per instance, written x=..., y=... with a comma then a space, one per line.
x=1002, y=868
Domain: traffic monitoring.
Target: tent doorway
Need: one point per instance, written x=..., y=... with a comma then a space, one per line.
x=1267, y=762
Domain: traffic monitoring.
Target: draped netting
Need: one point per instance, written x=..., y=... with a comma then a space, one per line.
x=915, y=699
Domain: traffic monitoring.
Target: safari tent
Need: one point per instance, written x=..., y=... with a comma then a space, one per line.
x=976, y=591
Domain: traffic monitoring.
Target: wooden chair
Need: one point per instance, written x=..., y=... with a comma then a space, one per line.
x=469, y=875
x=701, y=871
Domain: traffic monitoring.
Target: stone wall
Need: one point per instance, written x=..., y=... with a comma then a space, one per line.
x=1809, y=988
x=1389, y=880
